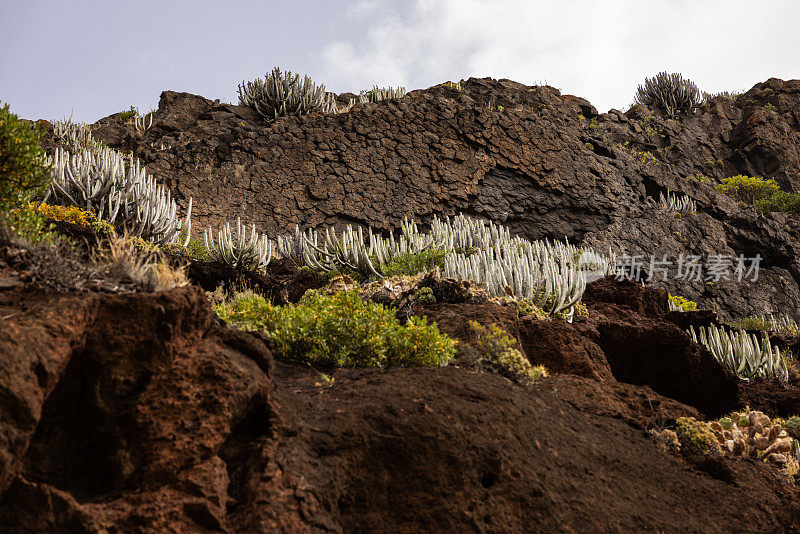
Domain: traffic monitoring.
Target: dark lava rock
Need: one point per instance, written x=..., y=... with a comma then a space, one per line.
x=545, y=164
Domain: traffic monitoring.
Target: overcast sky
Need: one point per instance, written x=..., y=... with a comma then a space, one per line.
x=100, y=57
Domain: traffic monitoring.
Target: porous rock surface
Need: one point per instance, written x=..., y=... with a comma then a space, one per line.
x=544, y=163
x=143, y=413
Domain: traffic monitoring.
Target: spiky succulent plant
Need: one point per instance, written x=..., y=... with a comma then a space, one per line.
x=123, y=194
x=742, y=353
x=670, y=93
x=677, y=203
x=142, y=123
x=552, y=275
x=242, y=251
x=376, y=94
x=75, y=135
x=92, y=180
x=283, y=94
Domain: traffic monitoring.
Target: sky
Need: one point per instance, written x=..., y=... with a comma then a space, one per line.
x=89, y=59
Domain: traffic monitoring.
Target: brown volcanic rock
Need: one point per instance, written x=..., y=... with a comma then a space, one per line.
x=36, y=343
x=126, y=407
x=453, y=450
x=140, y=413
x=543, y=163
x=643, y=348
x=627, y=339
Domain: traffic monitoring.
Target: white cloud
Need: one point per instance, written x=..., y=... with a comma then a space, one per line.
x=599, y=49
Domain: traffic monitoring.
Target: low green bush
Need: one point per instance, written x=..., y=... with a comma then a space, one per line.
x=780, y=201
x=751, y=322
x=748, y=189
x=679, y=303
x=501, y=354
x=696, y=437
x=410, y=264
x=763, y=194
x=340, y=330
x=24, y=170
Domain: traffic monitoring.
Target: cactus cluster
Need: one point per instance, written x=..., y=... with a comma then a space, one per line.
x=550, y=282
x=377, y=94
x=753, y=434
x=242, y=251
x=677, y=203
x=75, y=135
x=550, y=275
x=284, y=94
x=98, y=179
x=142, y=123
x=743, y=353
x=367, y=254
x=783, y=324
x=669, y=93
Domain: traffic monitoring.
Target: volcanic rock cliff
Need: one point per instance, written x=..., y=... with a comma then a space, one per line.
x=127, y=411
x=546, y=165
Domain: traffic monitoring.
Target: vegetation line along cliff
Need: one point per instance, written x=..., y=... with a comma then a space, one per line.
x=481, y=306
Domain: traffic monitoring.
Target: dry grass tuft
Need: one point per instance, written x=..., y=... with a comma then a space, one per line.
x=146, y=268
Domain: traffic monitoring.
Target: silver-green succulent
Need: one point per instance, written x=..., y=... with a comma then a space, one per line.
x=551, y=274
x=669, y=93
x=76, y=136
x=283, y=94
x=240, y=251
x=122, y=193
x=677, y=203
x=742, y=353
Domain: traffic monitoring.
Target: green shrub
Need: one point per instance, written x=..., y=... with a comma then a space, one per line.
x=780, y=201
x=128, y=115
x=410, y=264
x=696, y=437
x=763, y=194
x=500, y=352
x=679, y=303
x=195, y=249
x=340, y=330
x=751, y=322
x=24, y=170
x=424, y=295
x=748, y=189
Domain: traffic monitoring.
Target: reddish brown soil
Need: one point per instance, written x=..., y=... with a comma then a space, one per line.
x=456, y=450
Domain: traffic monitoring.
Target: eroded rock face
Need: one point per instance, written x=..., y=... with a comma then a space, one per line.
x=543, y=163
x=142, y=413
x=124, y=399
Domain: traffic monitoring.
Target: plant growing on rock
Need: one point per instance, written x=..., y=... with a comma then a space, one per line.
x=283, y=94
x=677, y=203
x=742, y=353
x=377, y=94
x=24, y=169
x=679, y=303
x=552, y=275
x=340, y=330
x=669, y=93
x=753, y=434
x=76, y=136
x=500, y=352
x=251, y=252
x=696, y=437
x=123, y=194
